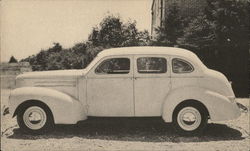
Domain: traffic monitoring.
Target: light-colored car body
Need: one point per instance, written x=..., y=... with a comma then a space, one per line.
x=74, y=95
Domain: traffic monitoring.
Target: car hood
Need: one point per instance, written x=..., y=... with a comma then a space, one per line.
x=52, y=74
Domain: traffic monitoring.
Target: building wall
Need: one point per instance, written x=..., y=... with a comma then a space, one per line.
x=156, y=16
x=9, y=71
x=160, y=9
x=187, y=7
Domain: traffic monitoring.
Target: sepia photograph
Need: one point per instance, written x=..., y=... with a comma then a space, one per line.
x=125, y=75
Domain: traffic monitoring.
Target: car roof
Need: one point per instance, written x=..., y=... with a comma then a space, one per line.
x=146, y=50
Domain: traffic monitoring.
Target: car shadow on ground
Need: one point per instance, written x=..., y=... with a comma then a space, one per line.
x=145, y=130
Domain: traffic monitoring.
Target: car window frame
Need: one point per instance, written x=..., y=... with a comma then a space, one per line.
x=109, y=58
x=137, y=70
x=152, y=75
x=185, y=61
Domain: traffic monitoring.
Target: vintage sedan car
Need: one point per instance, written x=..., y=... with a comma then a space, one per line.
x=166, y=82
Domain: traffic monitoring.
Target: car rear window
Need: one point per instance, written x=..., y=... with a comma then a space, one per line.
x=181, y=66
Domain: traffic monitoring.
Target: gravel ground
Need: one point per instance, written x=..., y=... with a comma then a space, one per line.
x=126, y=134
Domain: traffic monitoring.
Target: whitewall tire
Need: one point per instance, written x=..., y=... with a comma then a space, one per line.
x=35, y=118
x=190, y=119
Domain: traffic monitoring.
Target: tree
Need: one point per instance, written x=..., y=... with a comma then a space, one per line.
x=143, y=38
x=221, y=37
x=109, y=33
x=113, y=32
x=13, y=60
x=171, y=29
x=199, y=37
x=56, y=48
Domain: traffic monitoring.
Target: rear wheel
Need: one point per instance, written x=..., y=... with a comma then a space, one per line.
x=35, y=118
x=190, y=119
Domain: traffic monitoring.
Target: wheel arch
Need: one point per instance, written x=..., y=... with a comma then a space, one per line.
x=191, y=102
x=26, y=103
x=213, y=102
x=64, y=108
x=183, y=95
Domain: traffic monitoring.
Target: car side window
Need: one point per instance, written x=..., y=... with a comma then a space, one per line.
x=114, y=66
x=181, y=66
x=151, y=65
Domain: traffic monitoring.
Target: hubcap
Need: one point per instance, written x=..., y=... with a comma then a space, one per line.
x=34, y=117
x=189, y=118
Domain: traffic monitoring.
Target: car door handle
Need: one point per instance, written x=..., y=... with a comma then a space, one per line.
x=135, y=78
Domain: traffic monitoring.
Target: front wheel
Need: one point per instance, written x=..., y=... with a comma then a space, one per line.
x=190, y=119
x=35, y=118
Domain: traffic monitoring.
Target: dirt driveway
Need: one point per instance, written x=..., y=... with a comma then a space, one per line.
x=126, y=134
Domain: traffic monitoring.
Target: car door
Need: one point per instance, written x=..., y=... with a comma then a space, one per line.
x=151, y=84
x=110, y=87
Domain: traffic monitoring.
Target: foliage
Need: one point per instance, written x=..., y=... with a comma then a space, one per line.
x=112, y=32
x=199, y=36
x=172, y=28
x=220, y=36
x=56, y=58
x=13, y=60
x=221, y=32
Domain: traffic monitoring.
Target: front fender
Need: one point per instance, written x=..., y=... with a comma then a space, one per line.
x=65, y=109
x=219, y=107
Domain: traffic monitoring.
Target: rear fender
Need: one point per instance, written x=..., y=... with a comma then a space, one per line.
x=219, y=107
